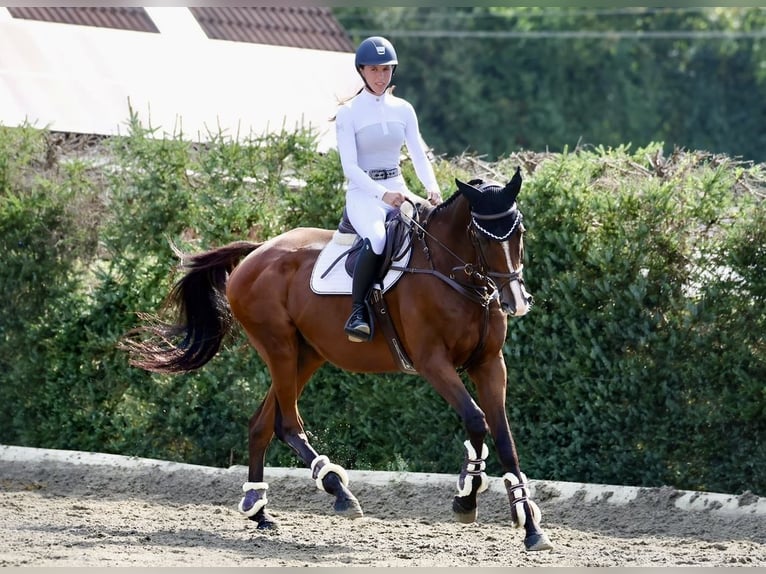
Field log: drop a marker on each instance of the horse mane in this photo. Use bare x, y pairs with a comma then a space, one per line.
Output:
431, 212
446, 203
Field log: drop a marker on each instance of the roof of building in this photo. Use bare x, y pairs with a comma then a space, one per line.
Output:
119, 18
310, 27
297, 26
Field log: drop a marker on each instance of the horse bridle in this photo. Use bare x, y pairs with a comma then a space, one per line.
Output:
483, 293
474, 230
487, 289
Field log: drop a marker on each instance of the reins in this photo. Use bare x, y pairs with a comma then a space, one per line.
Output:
480, 294
483, 294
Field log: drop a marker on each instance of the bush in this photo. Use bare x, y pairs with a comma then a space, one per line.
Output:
647, 341
641, 363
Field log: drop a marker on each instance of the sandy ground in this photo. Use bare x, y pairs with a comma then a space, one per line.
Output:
149, 514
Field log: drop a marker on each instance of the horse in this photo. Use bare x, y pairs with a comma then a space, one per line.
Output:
449, 311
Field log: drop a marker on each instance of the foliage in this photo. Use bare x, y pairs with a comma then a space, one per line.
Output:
494, 80
642, 361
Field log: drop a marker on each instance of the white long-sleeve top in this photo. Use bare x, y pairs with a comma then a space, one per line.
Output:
370, 133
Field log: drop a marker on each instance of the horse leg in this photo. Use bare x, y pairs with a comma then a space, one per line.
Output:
472, 480
490, 381
261, 431
260, 434
328, 476
290, 366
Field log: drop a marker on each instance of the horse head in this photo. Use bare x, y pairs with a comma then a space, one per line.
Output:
497, 228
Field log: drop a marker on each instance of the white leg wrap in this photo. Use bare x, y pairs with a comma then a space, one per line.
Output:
254, 499
475, 466
519, 494
321, 466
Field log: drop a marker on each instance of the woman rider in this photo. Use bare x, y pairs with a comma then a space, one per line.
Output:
371, 128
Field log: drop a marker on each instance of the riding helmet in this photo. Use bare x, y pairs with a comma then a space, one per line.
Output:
375, 51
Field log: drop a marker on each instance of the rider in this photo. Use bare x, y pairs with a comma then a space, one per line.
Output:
371, 128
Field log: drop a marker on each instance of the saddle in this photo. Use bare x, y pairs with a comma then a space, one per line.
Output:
399, 235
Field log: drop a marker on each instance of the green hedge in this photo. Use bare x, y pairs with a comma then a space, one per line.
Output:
642, 361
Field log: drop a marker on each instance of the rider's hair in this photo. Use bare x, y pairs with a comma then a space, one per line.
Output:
389, 89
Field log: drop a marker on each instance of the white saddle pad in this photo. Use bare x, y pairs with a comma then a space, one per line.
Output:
337, 281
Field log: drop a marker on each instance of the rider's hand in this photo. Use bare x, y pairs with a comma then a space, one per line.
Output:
434, 197
394, 198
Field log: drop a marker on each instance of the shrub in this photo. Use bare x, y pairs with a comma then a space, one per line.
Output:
641, 363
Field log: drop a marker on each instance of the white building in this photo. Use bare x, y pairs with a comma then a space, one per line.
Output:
184, 70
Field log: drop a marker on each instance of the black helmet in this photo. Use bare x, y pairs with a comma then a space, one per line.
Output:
375, 51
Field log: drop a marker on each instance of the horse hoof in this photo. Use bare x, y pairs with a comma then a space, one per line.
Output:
267, 525
463, 514
265, 520
350, 508
536, 542
466, 517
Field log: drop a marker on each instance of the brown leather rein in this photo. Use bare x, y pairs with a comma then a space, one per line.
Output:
484, 293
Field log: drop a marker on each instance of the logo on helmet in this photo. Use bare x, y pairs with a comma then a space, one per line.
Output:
380, 50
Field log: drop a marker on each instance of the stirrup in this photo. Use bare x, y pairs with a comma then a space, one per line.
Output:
357, 328
361, 334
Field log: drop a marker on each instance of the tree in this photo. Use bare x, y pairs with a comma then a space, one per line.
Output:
493, 80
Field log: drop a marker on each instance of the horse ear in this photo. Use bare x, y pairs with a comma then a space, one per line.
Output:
514, 186
469, 191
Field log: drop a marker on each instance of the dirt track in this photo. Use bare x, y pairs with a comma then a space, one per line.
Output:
58, 513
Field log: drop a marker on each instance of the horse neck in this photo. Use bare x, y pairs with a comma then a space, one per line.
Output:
449, 227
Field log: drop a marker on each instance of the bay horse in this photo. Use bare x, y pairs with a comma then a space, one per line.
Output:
450, 310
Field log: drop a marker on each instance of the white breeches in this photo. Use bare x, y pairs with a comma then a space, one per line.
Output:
368, 215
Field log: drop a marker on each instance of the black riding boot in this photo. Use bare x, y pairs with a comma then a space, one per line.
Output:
358, 326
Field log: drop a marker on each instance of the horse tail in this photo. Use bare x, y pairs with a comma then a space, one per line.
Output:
203, 315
